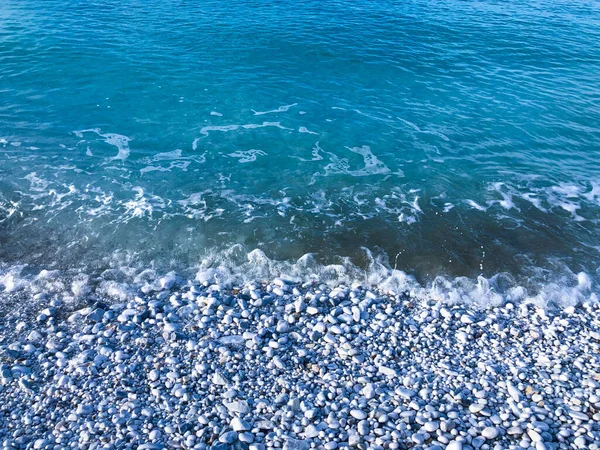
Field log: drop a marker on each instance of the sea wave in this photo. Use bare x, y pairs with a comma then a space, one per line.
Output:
234, 267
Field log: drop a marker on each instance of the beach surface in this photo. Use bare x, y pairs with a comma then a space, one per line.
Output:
190, 365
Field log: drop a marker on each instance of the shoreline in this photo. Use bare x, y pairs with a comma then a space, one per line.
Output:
296, 366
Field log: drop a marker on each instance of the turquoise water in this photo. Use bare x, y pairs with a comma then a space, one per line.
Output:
450, 138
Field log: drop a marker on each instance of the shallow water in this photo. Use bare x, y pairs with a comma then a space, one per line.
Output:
449, 138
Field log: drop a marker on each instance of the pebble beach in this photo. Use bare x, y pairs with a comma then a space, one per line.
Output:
283, 225
298, 366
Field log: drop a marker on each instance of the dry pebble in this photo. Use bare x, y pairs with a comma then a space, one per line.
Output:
293, 366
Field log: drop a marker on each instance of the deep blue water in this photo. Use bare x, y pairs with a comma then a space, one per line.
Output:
454, 138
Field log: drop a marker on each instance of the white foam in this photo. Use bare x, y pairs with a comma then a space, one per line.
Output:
216, 113
372, 165
7, 209
283, 108
316, 156
506, 202
59, 196
401, 204
195, 206
235, 266
306, 130
534, 200
475, 205
594, 194
569, 197
448, 207
142, 205
567, 190
165, 156
183, 165
416, 206
176, 161
204, 131
103, 200
11, 281
247, 155
120, 141
37, 183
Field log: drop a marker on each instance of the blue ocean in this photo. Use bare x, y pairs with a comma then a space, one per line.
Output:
450, 147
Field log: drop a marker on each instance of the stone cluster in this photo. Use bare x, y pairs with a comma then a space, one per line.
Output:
299, 366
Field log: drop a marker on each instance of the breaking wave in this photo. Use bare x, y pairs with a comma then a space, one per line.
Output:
122, 279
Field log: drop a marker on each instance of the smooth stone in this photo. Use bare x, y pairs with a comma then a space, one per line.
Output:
35, 336
490, 432
232, 340
154, 375
264, 425
454, 445
534, 435
310, 413
229, 394
513, 391
387, 371
40, 443
239, 406
516, 430
478, 441
155, 435
358, 414
228, 437
354, 440
220, 446
476, 408
579, 416
363, 427
246, 437
310, 432
369, 391
335, 329
445, 313
405, 393
172, 326
430, 427
296, 444
25, 385
239, 424
283, 326
418, 438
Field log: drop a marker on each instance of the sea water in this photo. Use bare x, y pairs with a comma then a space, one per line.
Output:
448, 145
